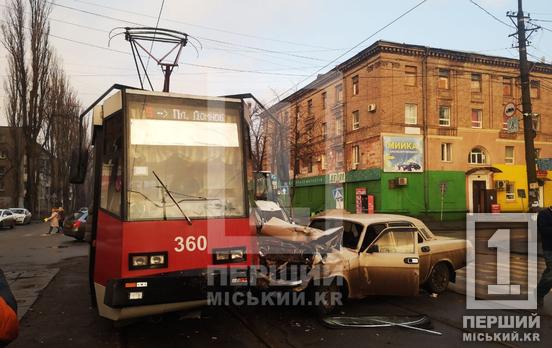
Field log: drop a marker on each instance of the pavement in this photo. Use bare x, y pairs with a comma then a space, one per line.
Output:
27, 258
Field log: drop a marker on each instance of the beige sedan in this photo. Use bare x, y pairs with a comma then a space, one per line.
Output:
385, 254
377, 254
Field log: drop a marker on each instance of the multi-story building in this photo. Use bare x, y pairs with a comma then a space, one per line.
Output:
421, 129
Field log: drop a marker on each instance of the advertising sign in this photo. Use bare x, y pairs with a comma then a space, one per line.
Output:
360, 194
403, 153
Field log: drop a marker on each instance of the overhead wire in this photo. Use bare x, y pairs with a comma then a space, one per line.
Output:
276, 99
126, 11
196, 36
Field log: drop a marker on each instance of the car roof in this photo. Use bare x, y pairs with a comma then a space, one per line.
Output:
368, 219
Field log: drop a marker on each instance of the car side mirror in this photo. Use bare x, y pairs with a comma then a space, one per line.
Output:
373, 249
79, 163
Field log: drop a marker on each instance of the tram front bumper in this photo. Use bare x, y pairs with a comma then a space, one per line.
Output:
193, 285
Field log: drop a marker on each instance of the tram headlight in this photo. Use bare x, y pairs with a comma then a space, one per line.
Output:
157, 260
229, 255
237, 254
139, 261
148, 260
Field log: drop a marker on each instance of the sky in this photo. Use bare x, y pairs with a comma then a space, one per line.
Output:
268, 47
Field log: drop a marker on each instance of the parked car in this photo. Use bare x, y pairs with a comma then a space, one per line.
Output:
6, 218
75, 225
379, 254
22, 216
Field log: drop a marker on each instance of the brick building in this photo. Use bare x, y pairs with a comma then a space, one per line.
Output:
421, 129
9, 178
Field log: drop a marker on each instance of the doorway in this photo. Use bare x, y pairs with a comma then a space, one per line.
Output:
478, 188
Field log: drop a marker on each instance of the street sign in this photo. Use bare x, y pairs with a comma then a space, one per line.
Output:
443, 187
338, 193
509, 109
512, 124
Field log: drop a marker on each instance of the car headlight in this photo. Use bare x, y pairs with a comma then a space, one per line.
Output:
148, 260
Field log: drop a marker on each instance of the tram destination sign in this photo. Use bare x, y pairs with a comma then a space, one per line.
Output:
159, 112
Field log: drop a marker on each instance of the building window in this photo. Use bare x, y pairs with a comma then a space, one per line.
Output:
536, 122
410, 78
309, 107
356, 120
444, 116
477, 118
476, 82
509, 155
535, 89
444, 79
537, 152
410, 113
324, 130
324, 100
510, 191
446, 152
338, 126
477, 156
2, 171
323, 161
2, 186
356, 155
507, 86
339, 93
297, 112
355, 85
339, 159
309, 165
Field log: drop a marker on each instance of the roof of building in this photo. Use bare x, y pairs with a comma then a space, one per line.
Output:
382, 46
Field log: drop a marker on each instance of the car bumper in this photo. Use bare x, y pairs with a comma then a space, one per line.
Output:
70, 232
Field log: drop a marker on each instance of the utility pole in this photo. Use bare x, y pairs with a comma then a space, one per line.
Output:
527, 111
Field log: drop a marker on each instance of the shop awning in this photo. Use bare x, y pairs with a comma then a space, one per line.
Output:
488, 168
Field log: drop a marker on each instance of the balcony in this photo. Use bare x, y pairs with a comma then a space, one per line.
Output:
447, 131
504, 134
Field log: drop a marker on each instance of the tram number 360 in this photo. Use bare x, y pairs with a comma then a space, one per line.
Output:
190, 243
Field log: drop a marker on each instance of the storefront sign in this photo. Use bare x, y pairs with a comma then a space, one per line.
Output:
541, 174
544, 163
336, 178
403, 153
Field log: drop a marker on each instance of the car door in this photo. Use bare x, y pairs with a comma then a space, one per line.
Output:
390, 265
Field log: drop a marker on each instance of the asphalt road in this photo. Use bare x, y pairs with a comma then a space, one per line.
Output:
61, 316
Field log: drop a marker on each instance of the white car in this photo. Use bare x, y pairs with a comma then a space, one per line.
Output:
21, 215
6, 218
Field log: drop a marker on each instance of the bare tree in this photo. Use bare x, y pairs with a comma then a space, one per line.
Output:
41, 105
259, 135
61, 134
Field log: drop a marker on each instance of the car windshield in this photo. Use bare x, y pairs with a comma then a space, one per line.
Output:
195, 147
18, 211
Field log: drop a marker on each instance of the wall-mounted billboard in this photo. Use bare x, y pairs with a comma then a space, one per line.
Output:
403, 153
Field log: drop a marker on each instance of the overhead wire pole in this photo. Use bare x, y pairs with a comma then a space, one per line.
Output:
527, 109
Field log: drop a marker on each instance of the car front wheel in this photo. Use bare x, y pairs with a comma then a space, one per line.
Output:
438, 279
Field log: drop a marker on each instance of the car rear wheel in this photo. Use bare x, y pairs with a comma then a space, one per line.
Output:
438, 279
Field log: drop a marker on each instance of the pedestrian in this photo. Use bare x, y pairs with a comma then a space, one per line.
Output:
54, 221
9, 326
544, 228
61, 218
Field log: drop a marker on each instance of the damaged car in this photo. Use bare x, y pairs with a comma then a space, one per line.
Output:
358, 255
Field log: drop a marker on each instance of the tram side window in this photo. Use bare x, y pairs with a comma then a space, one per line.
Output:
112, 165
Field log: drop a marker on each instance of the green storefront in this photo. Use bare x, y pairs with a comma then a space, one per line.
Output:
418, 194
